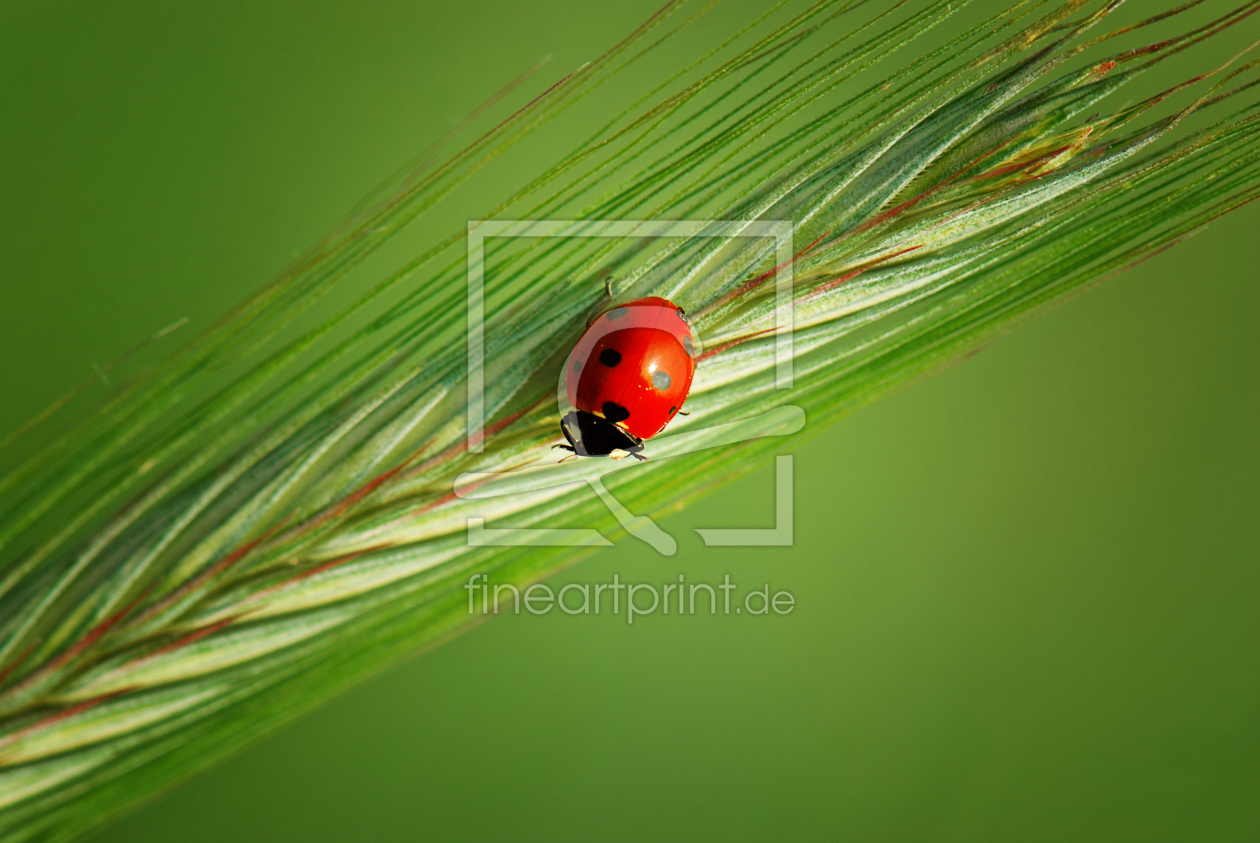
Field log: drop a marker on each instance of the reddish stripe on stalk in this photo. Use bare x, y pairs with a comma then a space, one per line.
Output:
1016, 166
1116, 33
450, 452
1147, 50
433, 504
1211, 30
231, 559
996, 172
751, 284
95, 634
513, 418
822, 288
748, 286
892, 213
338, 508
849, 276
450, 496
209, 574
441, 457
59, 716
737, 341
333, 563
1103, 68
16, 663
75, 649
462, 445
195, 635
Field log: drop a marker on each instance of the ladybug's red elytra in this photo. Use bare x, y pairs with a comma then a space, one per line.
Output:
627, 378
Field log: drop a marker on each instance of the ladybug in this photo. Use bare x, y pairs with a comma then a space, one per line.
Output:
627, 378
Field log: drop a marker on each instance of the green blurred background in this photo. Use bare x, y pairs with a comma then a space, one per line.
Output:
1028, 599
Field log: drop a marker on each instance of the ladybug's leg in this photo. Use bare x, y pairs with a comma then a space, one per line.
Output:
563, 447
618, 454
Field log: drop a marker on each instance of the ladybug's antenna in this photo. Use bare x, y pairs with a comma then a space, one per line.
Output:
603, 304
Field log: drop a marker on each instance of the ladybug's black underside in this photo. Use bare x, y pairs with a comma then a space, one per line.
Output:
592, 436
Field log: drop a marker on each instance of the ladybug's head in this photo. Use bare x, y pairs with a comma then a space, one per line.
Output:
593, 436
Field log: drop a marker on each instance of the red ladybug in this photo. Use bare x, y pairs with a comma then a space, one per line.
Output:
627, 377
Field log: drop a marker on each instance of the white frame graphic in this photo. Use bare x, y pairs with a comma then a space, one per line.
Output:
778, 422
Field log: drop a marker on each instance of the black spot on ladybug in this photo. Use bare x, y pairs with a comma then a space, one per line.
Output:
616, 313
614, 412
660, 380
577, 365
673, 410
690, 349
610, 357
